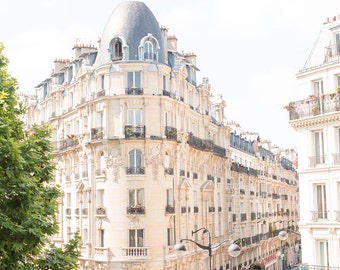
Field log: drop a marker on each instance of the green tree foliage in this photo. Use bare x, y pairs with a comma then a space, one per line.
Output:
28, 199
60, 259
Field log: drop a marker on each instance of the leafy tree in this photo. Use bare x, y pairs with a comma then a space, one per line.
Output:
59, 259
28, 199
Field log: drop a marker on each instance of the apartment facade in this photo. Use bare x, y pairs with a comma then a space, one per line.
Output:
143, 156
264, 201
315, 117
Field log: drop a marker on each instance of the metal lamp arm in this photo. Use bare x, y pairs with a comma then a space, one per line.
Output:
197, 244
220, 244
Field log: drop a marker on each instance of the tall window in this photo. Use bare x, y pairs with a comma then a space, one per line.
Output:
136, 197
336, 155
148, 51
101, 237
195, 198
68, 200
134, 80
136, 238
102, 164
321, 201
68, 233
134, 117
70, 100
337, 40
170, 236
116, 50
164, 82
84, 237
100, 197
102, 82
167, 119
169, 197
318, 87
322, 253
70, 75
135, 161
319, 147
337, 78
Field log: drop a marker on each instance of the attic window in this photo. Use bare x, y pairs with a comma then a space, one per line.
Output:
116, 49
149, 53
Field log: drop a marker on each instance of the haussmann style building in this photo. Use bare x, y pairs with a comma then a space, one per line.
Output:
316, 118
145, 158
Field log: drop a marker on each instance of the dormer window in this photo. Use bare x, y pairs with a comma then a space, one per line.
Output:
149, 51
148, 48
116, 49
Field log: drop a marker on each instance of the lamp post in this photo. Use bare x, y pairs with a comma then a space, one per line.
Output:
283, 235
233, 250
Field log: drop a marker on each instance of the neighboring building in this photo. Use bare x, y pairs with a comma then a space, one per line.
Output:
144, 157
316, 119
263, 202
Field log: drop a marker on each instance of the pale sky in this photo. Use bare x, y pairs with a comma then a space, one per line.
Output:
250, 50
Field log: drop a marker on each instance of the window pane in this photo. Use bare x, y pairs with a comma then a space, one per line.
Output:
132, 238
132, 201
130, 79
140, 197
169, 197
138, 161
138, 117
130, 117
140, 238
138, 79
132, 159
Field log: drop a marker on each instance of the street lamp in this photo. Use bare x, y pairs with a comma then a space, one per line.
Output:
283, 235
234, 250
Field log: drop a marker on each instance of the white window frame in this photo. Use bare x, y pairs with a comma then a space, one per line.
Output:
322, 252
135, 159
136, 197
317, 87
134, 117
134, 79
170, 197
318, 147
136, 238
320, 192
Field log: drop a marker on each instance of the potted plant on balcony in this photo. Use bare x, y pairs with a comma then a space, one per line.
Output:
338, 90
316, 109
172, 134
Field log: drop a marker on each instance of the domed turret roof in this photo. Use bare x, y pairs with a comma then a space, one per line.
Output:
130, 20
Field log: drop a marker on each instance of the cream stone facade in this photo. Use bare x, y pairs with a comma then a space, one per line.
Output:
316, 119
264, 201
145, 157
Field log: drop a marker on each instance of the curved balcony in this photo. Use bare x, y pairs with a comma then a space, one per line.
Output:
313, 106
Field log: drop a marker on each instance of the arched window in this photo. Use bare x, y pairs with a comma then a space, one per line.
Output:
135, 162
149, 51
116, 49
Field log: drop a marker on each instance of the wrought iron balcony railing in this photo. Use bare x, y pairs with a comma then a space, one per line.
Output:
134, 91
137, 210
135, 170
169, 209
313, 106
134, 131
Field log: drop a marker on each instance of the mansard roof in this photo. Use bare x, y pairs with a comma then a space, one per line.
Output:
131, 21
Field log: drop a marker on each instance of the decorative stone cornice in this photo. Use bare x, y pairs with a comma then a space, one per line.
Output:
312, 121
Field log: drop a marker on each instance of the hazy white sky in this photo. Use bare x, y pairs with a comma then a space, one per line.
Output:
250, 50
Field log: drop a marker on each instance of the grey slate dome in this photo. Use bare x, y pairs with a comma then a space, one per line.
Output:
131, 23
